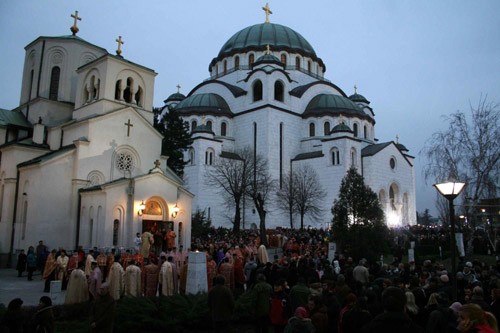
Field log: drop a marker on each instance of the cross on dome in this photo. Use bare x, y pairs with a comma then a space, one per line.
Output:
268, 11
355, 89
74, 28
178, 88
120, 43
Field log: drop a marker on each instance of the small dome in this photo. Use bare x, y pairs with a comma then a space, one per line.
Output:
204, 103
326, 104
268, 58
359, 98
177, 97
341, 128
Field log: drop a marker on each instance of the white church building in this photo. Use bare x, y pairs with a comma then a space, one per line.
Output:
267, 92
81, 162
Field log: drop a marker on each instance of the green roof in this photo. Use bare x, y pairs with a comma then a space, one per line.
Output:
204, 103
14, 118
324, 104
341, 128
359, 98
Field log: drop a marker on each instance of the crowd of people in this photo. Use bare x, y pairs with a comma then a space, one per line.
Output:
297, 287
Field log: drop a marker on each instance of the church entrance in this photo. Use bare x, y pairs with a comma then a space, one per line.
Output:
155, 225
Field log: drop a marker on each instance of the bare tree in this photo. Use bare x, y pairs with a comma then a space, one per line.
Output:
285, 197
468, 151
232, 175
308, 193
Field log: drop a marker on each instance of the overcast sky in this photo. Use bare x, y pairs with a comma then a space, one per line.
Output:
414, 60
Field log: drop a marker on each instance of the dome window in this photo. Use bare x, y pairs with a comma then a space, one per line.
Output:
355, 130
193, 125
283, 58
251, 59
257, 91
209, 124
278, 91
312, 130
326, 128
309, 66
297, 62
335, 156
209, 157
365, 132
225, 67
236, 62
54, 83
223, 129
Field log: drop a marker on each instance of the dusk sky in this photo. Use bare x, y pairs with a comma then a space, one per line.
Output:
415, 61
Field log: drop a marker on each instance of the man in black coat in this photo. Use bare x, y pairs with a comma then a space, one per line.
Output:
394, 318
220, 304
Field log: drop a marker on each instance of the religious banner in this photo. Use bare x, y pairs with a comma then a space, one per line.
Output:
459, 239
197, 273
56, 291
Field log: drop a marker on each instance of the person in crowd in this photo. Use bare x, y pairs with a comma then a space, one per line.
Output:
227, 270
137, 242
147, 240
495, 304
41, 256
61, 268
318, 314
280, 306
21, 263
102, 262
13, 319
95, 280
132, 280
103, 311
299, 294
88, 262
360, 273
478, 298
394, 318
221, 305
78, 289
115, 279
167, 278
31, 262
471, 318
262, 292
299, 323
49, 271
149, 277
43, 321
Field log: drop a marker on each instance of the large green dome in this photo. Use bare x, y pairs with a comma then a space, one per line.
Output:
209, 103
325, 104
277, 36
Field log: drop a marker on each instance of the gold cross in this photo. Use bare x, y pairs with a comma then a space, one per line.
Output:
74, 29
128, 124
268, 11
178, 88
157, 163
120, 42
355, 89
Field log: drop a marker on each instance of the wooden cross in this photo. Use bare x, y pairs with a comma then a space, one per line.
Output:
74, 29
128, 124
157, 163
355, 89
178, 88
268, 11
120, 42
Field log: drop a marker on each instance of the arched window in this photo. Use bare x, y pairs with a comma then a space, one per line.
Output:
191, 156
278, 91
209, 157
138, 97
251, 59
283, 58
309, 65
223, 129
312, 129
236, 62
127, 93
353, 157
257, 91
54, 83
335, 156
326, 128
297, 62
116, 231
118, 89
193, 125
365, 132
209, 124
355, 130
225, 67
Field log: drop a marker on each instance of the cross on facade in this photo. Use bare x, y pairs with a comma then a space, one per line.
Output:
74, 29
157, 163
120, 42
178, 88
128, 124
268, 11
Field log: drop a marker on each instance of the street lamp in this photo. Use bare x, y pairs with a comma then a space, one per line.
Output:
450, 190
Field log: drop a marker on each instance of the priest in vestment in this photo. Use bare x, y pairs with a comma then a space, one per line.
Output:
95, 280
167, 279
150, 275
61, 267
102, 263
115, 279
88, 262
226, 269
211, 270
132, 280
262, 255
146, 241
49, 272
78, 290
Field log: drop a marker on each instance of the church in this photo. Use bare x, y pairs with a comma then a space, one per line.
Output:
81, 162
267, 91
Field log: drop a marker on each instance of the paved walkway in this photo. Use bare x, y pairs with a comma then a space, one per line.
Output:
29, 291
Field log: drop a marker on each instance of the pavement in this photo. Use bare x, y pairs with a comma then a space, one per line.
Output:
30, 292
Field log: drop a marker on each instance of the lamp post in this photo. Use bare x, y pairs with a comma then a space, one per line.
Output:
450, 190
